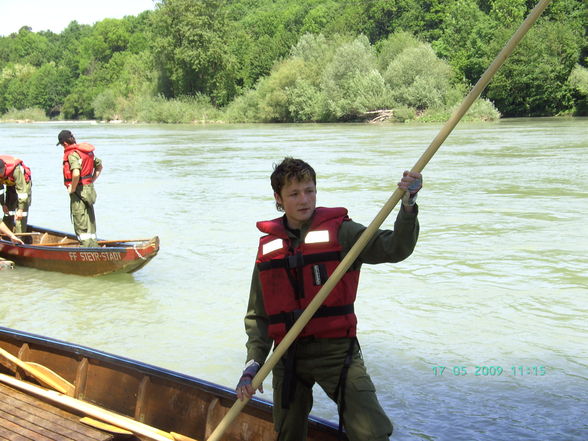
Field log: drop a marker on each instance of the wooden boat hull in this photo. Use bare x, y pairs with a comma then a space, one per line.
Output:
57, 251
164, 399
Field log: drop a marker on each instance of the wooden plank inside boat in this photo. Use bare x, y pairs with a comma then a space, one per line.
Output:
24, 418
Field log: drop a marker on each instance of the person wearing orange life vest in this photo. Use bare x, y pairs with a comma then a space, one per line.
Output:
80, 169
296, 255
15, 192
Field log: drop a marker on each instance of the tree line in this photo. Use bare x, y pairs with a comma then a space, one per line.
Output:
299, 61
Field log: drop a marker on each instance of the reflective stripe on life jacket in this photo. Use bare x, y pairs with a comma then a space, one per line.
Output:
86, 152
291, 278
10, 165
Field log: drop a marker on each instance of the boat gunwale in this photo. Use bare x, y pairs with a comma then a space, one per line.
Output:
215, 389
33, 228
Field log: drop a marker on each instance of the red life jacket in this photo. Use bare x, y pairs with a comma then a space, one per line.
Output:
291, 278
10, 164
86, 152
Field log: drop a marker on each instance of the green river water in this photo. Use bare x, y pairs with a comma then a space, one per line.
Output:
481, 334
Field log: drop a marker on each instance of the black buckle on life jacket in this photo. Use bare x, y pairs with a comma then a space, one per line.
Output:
289, 318
295, 261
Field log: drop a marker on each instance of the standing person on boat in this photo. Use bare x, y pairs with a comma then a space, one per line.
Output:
296, 255
15, 192
5, 231
80, 169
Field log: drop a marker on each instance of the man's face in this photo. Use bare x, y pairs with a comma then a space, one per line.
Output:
299, 201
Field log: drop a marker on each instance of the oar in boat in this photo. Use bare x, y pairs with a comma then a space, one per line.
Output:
94, 411
379, 219
42, 373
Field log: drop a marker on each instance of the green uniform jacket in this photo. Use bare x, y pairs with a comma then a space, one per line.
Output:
386, 246
23, 189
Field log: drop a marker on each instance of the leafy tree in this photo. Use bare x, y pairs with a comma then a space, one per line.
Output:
78, 104
261, 35
578, 81
507, 12
48, 86
190, 48
26, 47
352, 83
383, 17
319, 16
533, 81
14, 90
464, 38
419, 79
394, 45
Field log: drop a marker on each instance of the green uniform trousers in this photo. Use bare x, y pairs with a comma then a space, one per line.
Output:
321, 361
11, 201
81, 204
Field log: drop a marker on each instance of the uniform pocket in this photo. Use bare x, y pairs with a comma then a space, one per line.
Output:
88, 194
363, 384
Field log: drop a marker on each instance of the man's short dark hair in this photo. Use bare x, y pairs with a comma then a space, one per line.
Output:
287, 170
65, 136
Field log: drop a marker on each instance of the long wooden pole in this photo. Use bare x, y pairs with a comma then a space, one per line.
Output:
380, 217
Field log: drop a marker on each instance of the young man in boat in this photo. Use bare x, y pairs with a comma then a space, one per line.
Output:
80, 169
296, 255
15, 192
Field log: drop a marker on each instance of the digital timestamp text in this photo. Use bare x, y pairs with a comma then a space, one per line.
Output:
489, 371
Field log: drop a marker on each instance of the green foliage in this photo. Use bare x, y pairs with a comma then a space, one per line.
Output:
578, 81
419, 79
383, 17
196, 109
47, 87
352, 83
190, 48
26, 47
300, 60
243, 109
481, 110
508, 12
14, 90
533, 82
339, 80
464, 36
393, 45
78, 104
30, 114
107, 105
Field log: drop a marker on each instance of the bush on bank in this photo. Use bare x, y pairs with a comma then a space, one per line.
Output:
343, 79
30, 114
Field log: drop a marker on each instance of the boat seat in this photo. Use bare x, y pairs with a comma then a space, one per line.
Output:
43, 238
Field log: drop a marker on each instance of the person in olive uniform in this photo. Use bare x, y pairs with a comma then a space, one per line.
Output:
80, 169
296, 255
15, 192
